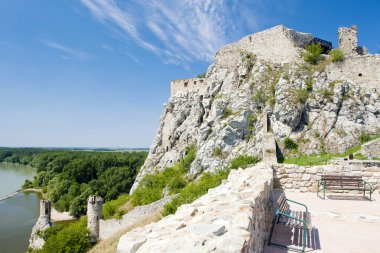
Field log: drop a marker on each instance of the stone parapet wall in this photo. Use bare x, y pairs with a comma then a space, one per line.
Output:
234, 217
186, 85
363, 70
304, 178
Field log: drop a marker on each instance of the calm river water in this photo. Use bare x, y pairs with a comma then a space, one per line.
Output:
19, 213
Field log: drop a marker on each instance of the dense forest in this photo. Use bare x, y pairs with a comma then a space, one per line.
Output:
69, 177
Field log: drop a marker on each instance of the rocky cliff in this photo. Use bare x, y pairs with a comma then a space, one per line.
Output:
264, 73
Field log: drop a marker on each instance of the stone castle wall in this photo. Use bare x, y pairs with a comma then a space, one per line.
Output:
190, 84
304, 178
361, 69
233, 217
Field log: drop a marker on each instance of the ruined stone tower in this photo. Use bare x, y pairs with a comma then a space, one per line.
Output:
348, 40
94, 214
45, 209
43, 222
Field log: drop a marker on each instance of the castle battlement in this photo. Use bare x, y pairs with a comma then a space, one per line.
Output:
187, 85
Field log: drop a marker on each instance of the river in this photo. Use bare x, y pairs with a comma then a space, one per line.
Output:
19, 213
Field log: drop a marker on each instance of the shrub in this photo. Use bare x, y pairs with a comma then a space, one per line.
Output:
119, 214
218, 152
110, 208
243, 161
290, 143
203, 75
151, 187
336, 55
227, 112
301, 95
73, 238
364, 137
309, 85
194, 190
312, 54
251, 123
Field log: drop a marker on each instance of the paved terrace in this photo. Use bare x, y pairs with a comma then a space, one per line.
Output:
343, 223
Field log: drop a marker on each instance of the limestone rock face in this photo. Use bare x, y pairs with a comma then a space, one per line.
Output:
234, 217
35, 241
322, 109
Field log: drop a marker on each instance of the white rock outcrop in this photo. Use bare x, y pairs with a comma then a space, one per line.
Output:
234, 217
321, 109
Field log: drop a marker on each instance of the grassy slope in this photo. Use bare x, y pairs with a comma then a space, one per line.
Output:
321, 159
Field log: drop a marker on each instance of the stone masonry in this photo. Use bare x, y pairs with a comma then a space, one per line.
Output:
43, 222
348, 40
233, 217
94, 214
187, 85
304, 178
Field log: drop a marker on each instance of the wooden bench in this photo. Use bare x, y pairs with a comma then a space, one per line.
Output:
284, 215
343, 183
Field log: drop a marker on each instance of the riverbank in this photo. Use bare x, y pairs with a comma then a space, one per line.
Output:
55, 214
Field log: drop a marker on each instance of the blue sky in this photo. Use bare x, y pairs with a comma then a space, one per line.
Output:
95, 73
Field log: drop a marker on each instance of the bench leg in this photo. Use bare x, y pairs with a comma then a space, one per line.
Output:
272, 229
304, 239
324, 192
318, 190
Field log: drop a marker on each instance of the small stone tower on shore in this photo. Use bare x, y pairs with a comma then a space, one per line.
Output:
94, 214
45, 209
43, 222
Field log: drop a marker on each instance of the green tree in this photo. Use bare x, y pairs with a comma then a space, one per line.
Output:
313, 53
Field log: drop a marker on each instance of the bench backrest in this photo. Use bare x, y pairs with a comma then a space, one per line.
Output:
283, 206
349, 181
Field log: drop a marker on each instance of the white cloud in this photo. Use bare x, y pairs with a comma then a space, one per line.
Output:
107, 47
179, 31
68, 52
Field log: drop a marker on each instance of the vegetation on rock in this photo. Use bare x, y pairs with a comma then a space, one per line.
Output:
207, 181
151, 187
112, 207
73, 238
203, 75
243, 161
312, 54
195, 190
336, 55
290, 143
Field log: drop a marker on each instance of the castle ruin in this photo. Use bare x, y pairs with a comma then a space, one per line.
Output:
348, 41
282, 45
94, 214
190, 84
43, 222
